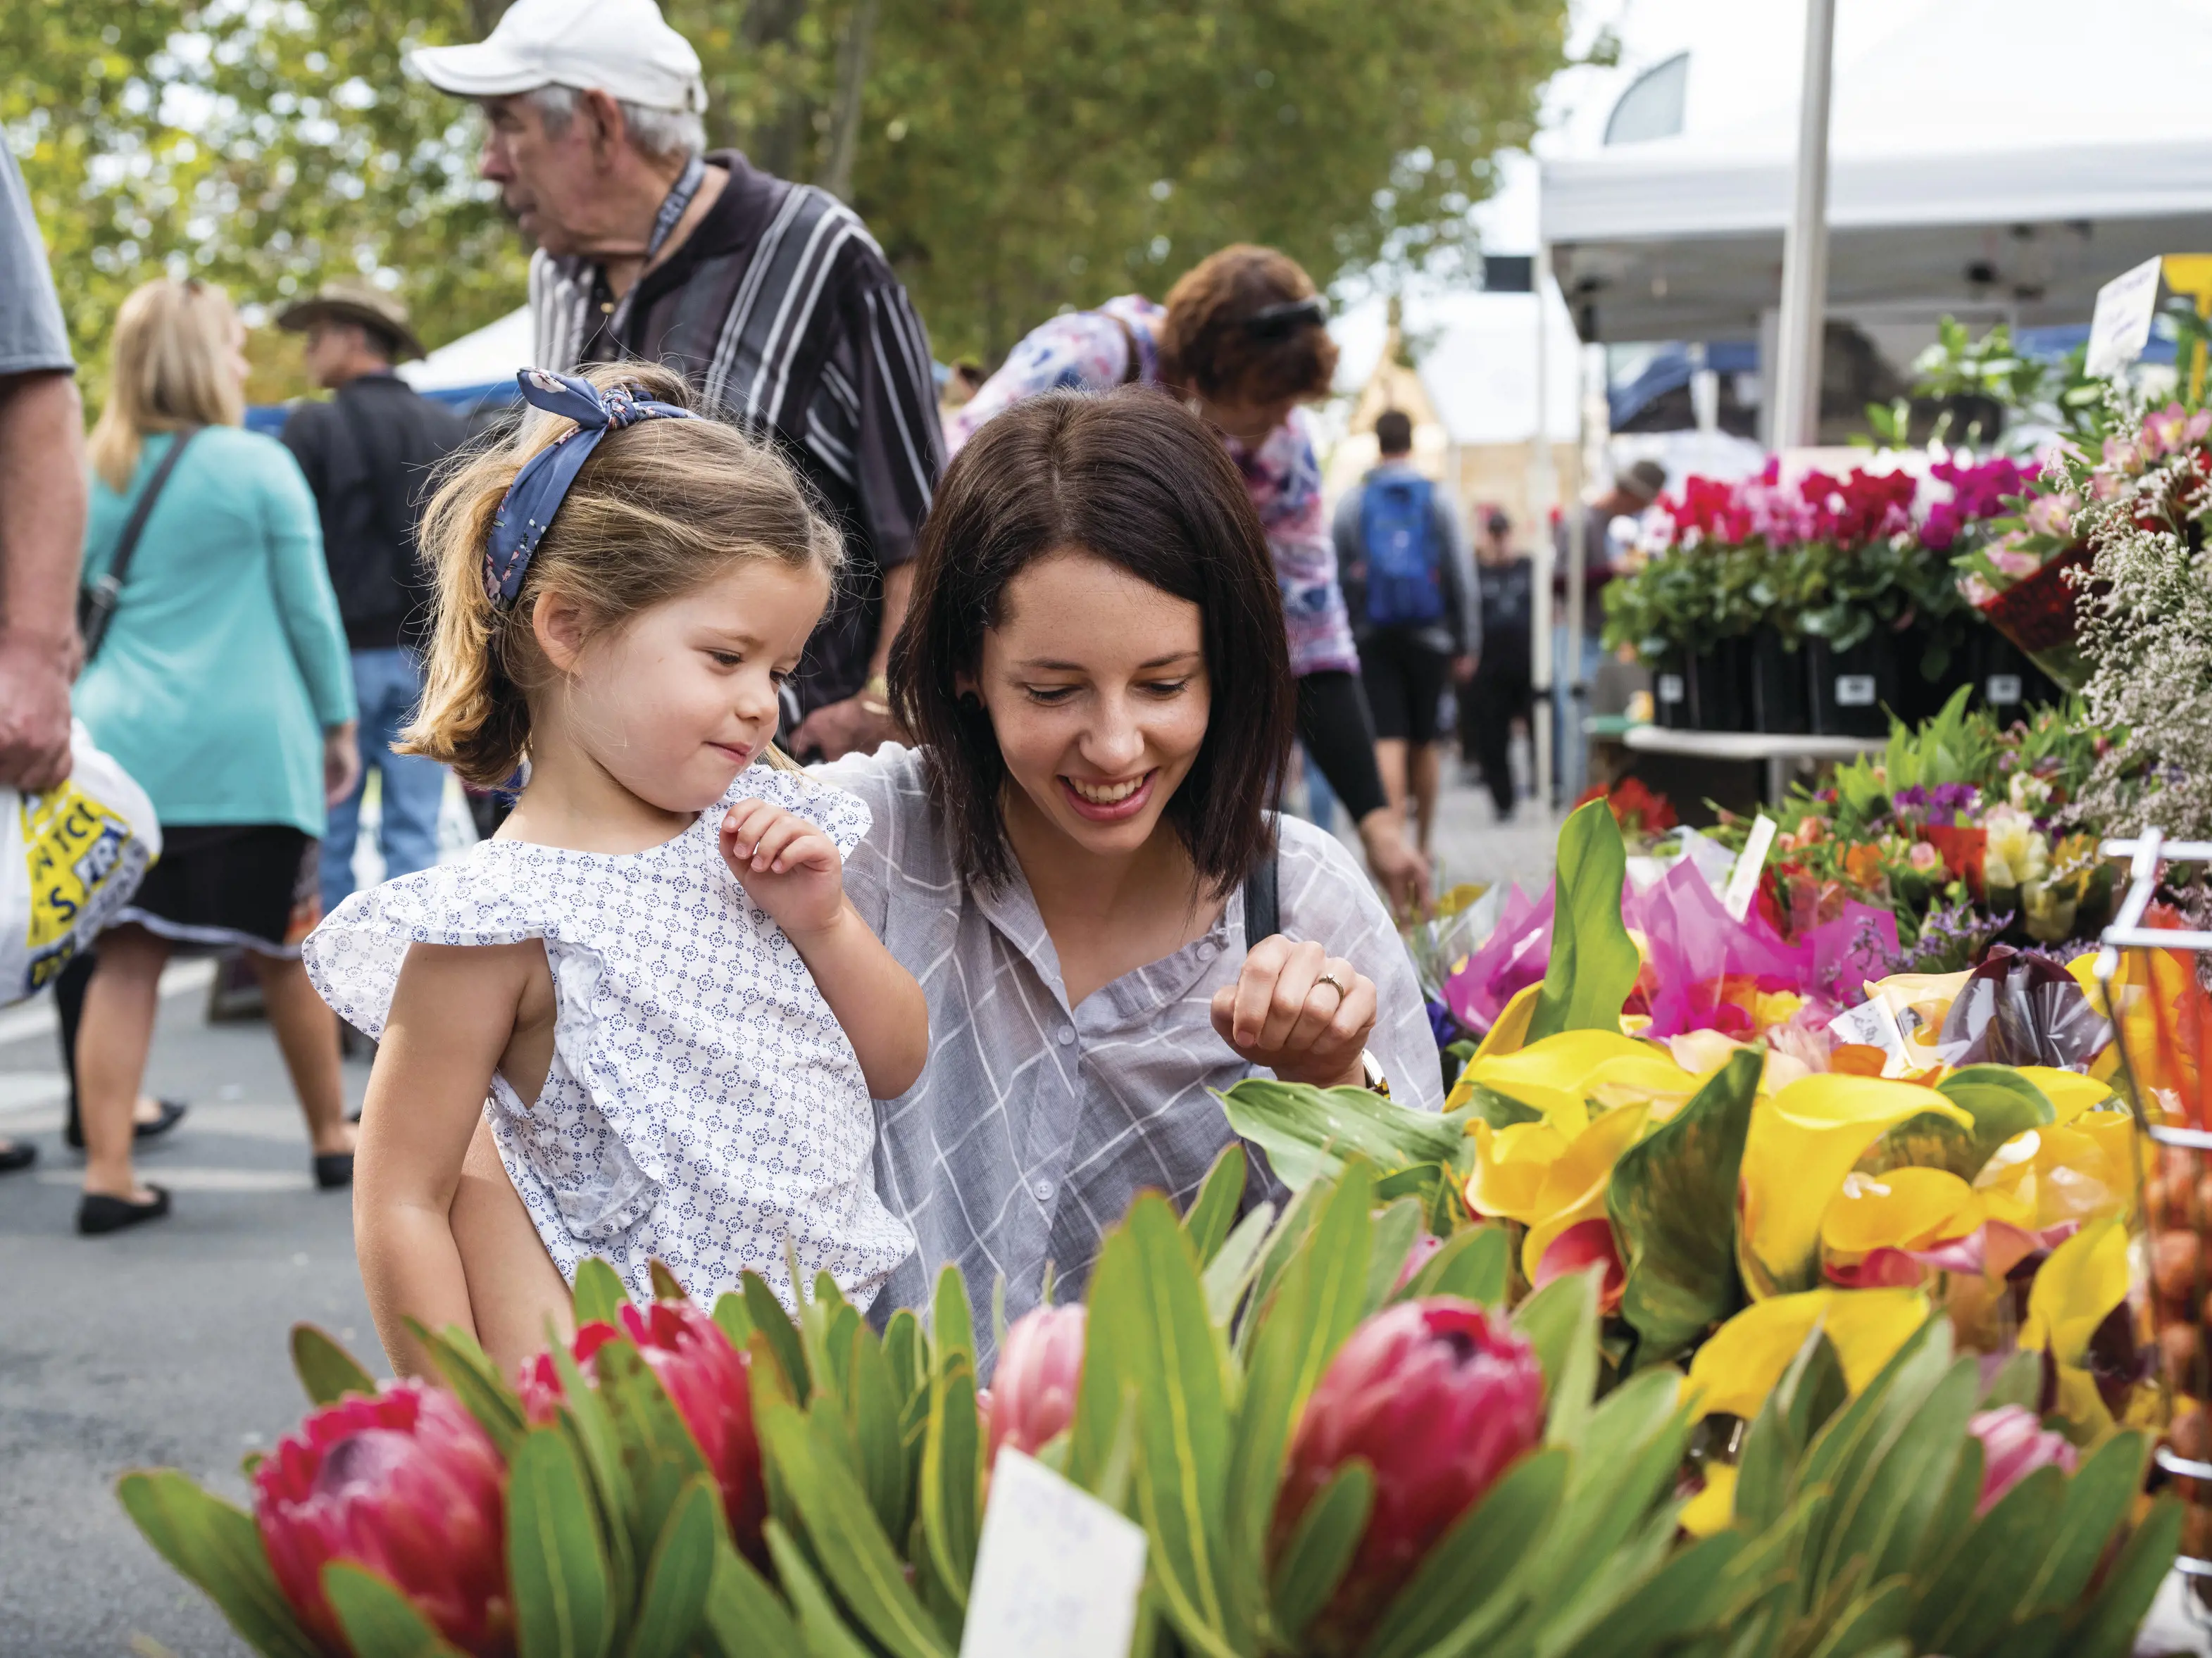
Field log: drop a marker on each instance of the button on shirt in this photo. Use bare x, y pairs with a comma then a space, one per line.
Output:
1034, 1124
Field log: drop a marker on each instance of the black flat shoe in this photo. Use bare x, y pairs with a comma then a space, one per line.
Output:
97, 1213
173, 1112
16, 1154
333, 1170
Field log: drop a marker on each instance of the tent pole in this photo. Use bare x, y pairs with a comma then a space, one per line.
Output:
1797, 383
1543, 488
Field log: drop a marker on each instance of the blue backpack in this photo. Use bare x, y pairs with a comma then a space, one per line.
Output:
1404, 589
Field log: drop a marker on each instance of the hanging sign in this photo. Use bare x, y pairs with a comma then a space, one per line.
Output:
2121, 327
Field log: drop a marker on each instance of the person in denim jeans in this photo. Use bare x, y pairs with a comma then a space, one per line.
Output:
368, 454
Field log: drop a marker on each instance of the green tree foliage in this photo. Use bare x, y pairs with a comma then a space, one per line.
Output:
1013, 157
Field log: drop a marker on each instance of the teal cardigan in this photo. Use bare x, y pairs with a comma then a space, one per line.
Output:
226, 661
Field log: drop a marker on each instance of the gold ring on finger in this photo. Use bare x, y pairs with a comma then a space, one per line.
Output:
1334, 983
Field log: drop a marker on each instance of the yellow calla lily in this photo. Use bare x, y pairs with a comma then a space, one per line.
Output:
2069, 1092
1510, 1166
1510, 1031
1558, 1075
2075, 1291
1574, 1186
1712, 1509
2076, 1170
1739, 1365
1702, 1052
1803, 1141
1900, 1209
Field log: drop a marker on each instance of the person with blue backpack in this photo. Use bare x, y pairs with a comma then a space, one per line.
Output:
1412, 596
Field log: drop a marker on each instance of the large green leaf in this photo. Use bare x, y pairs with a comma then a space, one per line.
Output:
1213, 1212
820, 1625
1594, 962
1435, 1184
1882, 1514
585, 1415
1689, 1594
1811, 1391
325, 1369
1560, 1322
952, 1326
731, 1318
1966, 1606
1149, 1279
856, 1557
216, 1547
1396, 1229
1309, 1132
378, 1621
1320, 1548
1672, 1204
1321, 1298
2107, 1625
743, 1617
679, 1576
659, 1454
1475, 1265
2097, 1499
599, 1293
1237, 1264
952, 1476
465, 1368
2002, 1103
1466, 1586
872, 1404
563, 1603
774, 1326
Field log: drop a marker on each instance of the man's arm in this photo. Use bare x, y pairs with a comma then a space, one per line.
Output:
900, 452
42, 505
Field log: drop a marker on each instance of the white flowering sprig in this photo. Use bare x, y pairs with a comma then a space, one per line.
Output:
2146, 620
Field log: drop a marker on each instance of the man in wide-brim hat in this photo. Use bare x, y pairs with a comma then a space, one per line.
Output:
368, 454
352, 303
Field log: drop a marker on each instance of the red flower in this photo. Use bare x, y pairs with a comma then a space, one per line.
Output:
406, 1485
709, 1382
1578, 1249
1439, 1399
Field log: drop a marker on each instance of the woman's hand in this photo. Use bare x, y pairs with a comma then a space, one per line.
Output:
785, 864
341, 761
1303, 1014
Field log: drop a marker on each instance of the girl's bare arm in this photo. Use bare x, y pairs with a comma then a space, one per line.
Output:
452, 1016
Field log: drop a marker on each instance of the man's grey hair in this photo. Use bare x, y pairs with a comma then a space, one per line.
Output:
661, 134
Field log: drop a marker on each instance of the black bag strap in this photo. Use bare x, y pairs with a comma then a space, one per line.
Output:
96, 603
1263, 909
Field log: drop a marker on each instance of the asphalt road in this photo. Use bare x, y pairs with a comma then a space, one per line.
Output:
165, 1347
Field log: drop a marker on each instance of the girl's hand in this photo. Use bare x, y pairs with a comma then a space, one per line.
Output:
1302, 1013
341, 761
785, 864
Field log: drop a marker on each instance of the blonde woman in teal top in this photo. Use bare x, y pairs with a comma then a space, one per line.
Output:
223, 687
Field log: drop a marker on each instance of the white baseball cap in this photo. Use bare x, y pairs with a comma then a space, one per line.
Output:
622, 47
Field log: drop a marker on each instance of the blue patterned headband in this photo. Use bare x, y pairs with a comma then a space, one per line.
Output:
542, 483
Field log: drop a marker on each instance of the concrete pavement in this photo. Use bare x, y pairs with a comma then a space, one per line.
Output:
165, 1347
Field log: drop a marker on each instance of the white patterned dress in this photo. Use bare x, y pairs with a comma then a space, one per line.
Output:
703, 1106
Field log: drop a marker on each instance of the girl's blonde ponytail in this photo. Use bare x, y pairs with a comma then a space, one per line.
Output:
657, 509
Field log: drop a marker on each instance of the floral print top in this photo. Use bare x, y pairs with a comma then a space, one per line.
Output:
1088, 351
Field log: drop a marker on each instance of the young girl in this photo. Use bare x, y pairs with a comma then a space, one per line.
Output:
649, 982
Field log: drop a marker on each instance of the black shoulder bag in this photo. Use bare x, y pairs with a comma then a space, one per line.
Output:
95, 605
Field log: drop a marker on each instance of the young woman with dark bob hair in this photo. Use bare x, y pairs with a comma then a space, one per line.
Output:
1095, 668
1244, 340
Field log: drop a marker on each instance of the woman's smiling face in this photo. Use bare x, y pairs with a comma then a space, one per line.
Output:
1096, 685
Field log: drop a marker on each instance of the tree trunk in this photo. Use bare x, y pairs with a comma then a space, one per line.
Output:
779, 142
836, 175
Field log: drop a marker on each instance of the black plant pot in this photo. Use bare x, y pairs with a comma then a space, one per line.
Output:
1778, 685
1921, 695
2006, 682
1720, 686
1853, 691
1670, 696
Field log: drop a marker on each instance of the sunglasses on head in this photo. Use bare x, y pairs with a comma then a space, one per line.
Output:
1280, 322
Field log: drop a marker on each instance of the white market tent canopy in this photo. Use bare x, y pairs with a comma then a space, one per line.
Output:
1986, 155
476, 363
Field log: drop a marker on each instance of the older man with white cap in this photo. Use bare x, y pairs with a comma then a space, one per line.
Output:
771, 297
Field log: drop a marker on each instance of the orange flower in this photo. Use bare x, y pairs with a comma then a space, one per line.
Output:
1863, 865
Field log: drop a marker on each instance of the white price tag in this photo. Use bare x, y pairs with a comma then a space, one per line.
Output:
1671, 689
1855, 690
2003, 689
2120, 327
1057, 1571
1743, 879
1871, 1024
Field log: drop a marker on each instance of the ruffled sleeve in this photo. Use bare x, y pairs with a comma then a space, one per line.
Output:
354, 957
837, 812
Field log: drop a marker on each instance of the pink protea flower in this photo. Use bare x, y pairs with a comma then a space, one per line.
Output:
710, 1383
1439, 1398
1423, 1250
1032, 1395
2015, 1444
407, 1486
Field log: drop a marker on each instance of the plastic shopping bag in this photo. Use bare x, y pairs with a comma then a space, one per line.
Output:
70, 858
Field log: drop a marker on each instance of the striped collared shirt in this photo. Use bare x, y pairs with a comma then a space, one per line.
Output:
1035, 1124
780, 310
